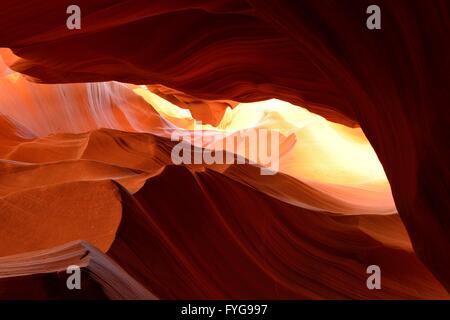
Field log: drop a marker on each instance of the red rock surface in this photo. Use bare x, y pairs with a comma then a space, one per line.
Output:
234, 242
69, 137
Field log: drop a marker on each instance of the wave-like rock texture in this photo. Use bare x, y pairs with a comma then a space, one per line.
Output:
205, 246
317, 54
40, 110
194, 231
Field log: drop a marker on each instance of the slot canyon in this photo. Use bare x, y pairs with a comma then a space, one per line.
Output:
88, 178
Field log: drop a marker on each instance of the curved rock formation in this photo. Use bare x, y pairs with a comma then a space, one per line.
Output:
318, 55
205, 246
